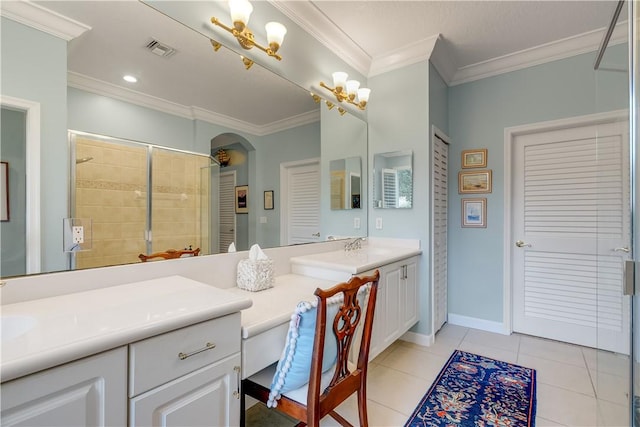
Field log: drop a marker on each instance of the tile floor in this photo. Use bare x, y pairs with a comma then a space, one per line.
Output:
577, 386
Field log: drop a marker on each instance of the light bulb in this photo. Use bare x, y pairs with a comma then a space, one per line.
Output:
339, 79
363, 94
275, 34
352, 87
240, 13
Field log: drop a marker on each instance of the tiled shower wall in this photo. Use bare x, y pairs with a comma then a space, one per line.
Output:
111, 190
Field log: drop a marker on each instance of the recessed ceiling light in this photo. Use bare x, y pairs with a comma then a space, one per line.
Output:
130, 79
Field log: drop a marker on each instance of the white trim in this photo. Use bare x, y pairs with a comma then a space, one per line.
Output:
412, 53
33, 232
510, 134
99, 87
316, 23
553, 51
416, 338
475, 323
284, 192
43, 19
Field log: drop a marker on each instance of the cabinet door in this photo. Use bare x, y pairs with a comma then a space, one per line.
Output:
206, 397
87, 392
392, 278
410, 294
379, 319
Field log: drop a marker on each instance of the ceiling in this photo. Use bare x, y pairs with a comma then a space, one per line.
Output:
472, 35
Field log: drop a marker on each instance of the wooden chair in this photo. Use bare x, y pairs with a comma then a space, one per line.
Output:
170, 254
344, 382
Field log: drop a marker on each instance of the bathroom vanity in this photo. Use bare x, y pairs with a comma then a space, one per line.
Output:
172, 350
164, 351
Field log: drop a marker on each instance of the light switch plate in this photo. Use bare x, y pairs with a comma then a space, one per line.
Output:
356, 222
378, 223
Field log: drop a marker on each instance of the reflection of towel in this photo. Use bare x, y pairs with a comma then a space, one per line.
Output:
232, 247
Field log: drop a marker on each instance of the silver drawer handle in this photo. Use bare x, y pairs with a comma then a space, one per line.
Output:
208, 346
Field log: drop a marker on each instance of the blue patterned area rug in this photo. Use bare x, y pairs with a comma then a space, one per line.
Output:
473, 390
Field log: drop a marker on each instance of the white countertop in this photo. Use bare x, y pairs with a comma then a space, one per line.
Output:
274, 306
47, 332
357, 261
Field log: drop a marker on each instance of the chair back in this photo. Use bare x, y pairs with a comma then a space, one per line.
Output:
170, 254
344, 325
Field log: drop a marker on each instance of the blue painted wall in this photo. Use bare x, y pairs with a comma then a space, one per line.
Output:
398, 117
479, 112
13, 243
34, 67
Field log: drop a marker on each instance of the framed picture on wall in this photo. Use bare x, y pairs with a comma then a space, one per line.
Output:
242, 199
476, 158
268, 200
474, 213
4, 191
474, 182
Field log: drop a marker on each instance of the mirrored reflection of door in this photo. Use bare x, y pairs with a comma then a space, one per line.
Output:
300, 217
227, 222
110, 181
176, 200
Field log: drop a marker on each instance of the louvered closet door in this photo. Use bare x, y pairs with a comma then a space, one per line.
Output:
571, 214
439, 251
227, 210
303, 204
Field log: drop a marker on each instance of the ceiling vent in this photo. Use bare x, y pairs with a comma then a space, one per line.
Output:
160, 49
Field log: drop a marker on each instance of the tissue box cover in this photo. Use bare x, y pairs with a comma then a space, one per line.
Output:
255, 275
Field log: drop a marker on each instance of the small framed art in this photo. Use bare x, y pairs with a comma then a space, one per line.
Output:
474, 182
476, 158
268, 200
242, 199
474, 213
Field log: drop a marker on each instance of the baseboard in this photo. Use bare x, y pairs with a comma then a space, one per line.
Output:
475, 323
420, 339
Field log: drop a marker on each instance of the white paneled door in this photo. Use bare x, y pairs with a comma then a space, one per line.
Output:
439, 203
571, 231
227, 210
300, 202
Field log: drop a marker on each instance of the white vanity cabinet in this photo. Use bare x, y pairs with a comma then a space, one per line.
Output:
187, 377
396, 303
90, 391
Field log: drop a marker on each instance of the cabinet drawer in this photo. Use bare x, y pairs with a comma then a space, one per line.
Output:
157, 360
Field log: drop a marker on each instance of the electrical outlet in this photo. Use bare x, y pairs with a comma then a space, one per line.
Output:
263, 220
378, 223
356, 222
78, 234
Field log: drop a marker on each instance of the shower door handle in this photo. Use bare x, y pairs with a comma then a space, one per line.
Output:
629, 285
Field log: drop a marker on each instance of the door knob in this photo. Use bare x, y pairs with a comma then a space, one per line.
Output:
625, 250
316, 234
522, 244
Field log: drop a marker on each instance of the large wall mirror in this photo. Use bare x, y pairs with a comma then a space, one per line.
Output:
190, 99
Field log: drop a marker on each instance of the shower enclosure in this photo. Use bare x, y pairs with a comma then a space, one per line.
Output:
140, 199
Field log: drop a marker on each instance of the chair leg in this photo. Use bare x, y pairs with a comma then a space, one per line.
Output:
362, 406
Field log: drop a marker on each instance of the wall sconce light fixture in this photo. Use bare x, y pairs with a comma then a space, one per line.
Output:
348, 90
223, 158
240, 13
246, 61
330, 105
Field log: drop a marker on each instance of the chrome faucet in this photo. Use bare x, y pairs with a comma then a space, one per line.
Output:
355, 244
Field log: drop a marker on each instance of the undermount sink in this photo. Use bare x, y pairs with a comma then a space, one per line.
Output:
14, 326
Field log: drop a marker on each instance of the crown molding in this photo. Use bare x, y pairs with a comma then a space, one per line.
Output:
314, 22
99, 87
420, 50
553, 51
42, 19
